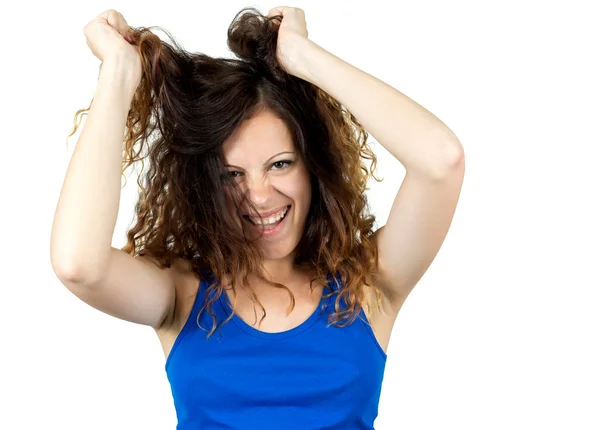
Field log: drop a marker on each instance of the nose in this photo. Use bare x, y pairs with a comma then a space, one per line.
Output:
258, 190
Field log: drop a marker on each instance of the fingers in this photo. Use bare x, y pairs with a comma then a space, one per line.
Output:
276, 11
283, 10
117, 21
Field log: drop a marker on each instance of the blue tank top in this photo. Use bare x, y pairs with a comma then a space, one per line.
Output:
309, 377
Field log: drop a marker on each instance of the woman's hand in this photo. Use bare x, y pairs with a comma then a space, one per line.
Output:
291, 38
109, 36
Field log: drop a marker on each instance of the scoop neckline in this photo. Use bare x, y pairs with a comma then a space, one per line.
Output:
305, 325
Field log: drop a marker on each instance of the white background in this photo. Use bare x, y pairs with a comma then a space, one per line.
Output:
502, 332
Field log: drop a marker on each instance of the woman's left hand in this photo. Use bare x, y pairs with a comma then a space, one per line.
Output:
292, 37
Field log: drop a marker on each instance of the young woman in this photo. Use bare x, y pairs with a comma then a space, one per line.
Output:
254, 204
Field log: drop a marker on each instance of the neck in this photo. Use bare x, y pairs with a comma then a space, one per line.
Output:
282, 270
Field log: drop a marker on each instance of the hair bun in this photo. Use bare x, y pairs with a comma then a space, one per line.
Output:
252, 37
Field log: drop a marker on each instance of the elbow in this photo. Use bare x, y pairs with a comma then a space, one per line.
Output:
67, 270
452, 163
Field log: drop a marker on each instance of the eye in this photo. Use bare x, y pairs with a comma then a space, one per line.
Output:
278, 165
281, 164
227, 176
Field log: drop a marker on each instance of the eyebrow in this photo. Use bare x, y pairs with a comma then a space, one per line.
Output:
266, 162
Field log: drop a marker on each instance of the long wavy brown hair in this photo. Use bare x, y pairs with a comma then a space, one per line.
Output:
186, 106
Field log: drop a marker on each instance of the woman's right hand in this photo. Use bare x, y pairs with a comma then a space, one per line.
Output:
105, 36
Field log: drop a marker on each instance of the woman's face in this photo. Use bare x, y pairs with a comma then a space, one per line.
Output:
262, 158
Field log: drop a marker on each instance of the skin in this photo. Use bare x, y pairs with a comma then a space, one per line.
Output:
270, 183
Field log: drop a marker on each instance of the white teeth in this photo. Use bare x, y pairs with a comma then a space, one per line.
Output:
271, 220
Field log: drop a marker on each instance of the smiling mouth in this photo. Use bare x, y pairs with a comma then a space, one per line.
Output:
268, 226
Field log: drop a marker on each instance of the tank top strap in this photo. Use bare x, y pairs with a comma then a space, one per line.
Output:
190, 321
336, 283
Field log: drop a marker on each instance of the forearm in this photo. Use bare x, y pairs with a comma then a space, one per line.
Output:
88, 205
412, 134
